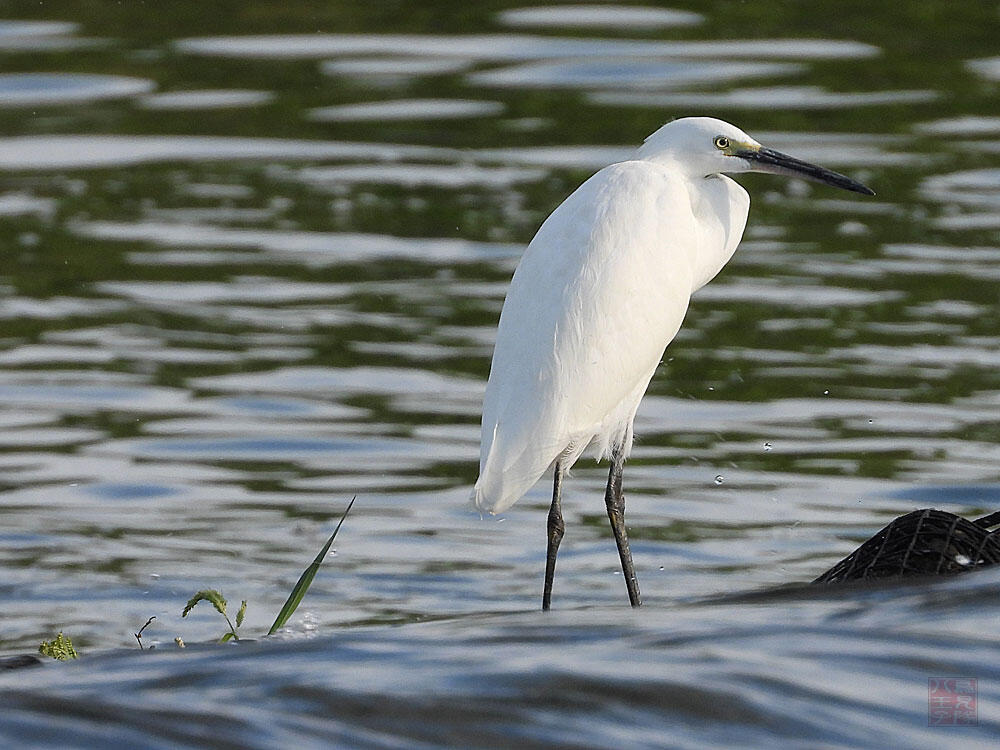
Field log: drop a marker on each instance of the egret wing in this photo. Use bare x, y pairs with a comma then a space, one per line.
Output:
599, 293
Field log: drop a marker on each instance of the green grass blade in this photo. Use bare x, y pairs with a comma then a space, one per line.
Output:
242, 613
306, 579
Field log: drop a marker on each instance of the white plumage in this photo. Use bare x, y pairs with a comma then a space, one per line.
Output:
599, 293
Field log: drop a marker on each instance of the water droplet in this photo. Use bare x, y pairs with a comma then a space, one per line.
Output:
826, 393
962, 560
797, 188
852, 229
767, 447
719, 479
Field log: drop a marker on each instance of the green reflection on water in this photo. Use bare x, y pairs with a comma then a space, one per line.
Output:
923, 46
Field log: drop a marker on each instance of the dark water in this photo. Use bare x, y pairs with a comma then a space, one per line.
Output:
243, 279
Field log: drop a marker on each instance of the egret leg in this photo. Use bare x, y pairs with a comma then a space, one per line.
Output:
556, 528
614, 498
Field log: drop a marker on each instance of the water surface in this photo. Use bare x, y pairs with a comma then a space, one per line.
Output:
252, 265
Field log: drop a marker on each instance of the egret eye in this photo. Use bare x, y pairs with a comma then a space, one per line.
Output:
721, 142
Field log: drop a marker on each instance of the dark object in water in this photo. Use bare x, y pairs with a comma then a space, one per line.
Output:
924, 542
19, 662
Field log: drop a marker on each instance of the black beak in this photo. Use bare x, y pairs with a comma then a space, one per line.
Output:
775, 162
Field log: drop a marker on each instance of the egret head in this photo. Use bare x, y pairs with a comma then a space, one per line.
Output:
704, 146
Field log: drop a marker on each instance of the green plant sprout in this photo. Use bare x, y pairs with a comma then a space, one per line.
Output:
60, 647
218, 601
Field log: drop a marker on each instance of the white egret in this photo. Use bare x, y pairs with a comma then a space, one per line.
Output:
597, 296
